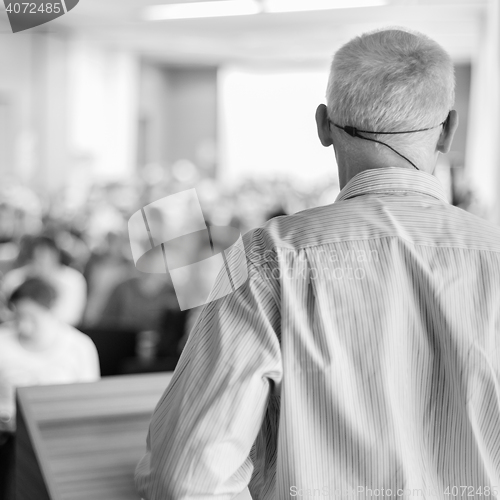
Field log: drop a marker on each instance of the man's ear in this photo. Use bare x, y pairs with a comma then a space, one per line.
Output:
448, 132
323, 125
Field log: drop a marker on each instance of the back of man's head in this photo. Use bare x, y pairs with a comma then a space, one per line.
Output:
391, 80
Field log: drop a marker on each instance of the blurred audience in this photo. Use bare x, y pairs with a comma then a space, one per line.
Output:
108, 265
139, 303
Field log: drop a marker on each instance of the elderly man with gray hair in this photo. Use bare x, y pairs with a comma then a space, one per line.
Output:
361, 358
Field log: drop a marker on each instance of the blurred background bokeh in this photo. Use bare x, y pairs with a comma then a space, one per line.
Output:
114, 106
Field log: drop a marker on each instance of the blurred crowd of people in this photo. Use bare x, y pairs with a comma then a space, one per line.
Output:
78, 242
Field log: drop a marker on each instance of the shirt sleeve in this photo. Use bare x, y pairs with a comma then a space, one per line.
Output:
203, 428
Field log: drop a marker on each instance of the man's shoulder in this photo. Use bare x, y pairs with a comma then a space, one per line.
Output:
295, 231
77, 338
477, 233
439, 224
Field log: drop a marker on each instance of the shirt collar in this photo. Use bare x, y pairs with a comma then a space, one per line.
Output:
392, 180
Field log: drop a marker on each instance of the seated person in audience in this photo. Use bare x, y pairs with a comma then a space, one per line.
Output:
44, 261
139, 303
108, 265
38, 349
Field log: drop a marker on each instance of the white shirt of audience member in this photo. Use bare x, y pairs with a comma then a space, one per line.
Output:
55, 354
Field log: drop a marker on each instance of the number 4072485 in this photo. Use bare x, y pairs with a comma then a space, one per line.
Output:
33, 8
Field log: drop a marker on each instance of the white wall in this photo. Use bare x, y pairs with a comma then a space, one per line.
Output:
66, 104
267, 125
103, 109
18, 137
178, 114
483, 150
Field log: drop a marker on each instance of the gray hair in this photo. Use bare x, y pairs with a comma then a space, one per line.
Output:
391, 80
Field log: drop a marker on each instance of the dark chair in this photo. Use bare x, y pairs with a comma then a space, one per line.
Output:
113, 347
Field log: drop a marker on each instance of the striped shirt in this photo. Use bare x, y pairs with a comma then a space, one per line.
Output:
361, 358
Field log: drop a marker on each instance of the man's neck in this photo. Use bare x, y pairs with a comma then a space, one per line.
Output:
350, 167
354, 158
